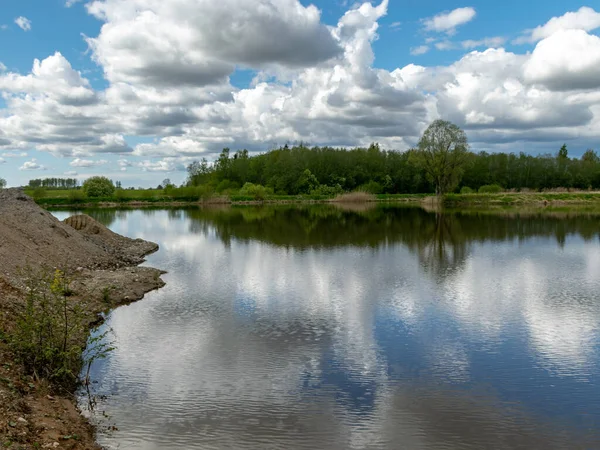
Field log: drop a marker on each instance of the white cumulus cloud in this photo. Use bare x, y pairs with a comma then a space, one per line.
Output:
567, 60
420, 50
493, 42
585, 18
447, 22
23, 22
78, 162
164, 83
32, 165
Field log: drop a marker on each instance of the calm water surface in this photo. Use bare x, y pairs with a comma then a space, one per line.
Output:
392, 328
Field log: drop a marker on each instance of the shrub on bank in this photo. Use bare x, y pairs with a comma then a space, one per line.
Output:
490, 189
466, 190
50, 332
256, 191
98, 187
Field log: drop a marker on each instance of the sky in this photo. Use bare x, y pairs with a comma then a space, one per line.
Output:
137, 89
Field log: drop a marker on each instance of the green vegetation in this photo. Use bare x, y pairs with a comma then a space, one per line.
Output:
523, 198
54, 183
443, 153
49, 338
490, 189
98, 187
2, 183
441, 164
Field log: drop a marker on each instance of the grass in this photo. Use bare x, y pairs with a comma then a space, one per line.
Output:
57, 197
519, 198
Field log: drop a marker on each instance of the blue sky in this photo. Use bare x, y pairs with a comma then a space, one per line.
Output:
137, 89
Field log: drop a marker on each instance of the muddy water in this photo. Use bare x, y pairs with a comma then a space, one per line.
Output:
389, 328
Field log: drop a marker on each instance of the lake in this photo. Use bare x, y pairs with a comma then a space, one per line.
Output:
352, 328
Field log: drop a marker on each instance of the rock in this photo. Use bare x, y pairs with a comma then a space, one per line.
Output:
22, 420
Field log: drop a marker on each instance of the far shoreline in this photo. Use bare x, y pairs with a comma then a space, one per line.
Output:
509, 199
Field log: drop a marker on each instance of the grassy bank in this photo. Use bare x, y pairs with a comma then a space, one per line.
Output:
193, 196
187, 196
519, 198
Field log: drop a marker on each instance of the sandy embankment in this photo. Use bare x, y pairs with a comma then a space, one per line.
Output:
100, 263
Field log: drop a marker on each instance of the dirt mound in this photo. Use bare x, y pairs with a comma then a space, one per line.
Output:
31, 236
128, 250
101, 264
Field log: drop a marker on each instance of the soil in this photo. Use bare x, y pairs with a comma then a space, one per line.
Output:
104, 270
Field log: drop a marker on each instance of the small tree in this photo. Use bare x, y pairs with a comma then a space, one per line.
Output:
443, 152
2, 183
98, 187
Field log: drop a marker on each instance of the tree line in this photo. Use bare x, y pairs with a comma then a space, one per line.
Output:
54, 183
441, 163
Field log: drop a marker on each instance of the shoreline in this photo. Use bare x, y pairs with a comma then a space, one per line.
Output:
105, 273
539, 199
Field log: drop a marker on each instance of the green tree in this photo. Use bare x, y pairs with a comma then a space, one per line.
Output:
443, 153
2, 183
98, 187
198, 172
307, 182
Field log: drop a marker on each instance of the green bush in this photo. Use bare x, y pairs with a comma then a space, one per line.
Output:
227, 185
490, 189
327, 191
51, 331
256, 191
466, 190
372, 187
98, 187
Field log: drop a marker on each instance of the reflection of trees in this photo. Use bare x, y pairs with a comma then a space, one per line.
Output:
442, 244
442, 239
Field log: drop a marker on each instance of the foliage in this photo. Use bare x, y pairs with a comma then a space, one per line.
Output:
443, 154
327, 191
256, 191
285, 170
98, 187
490, 189
54, 183
372, 187
466, 190
2, 183
324, 172
307, 182
50, 331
